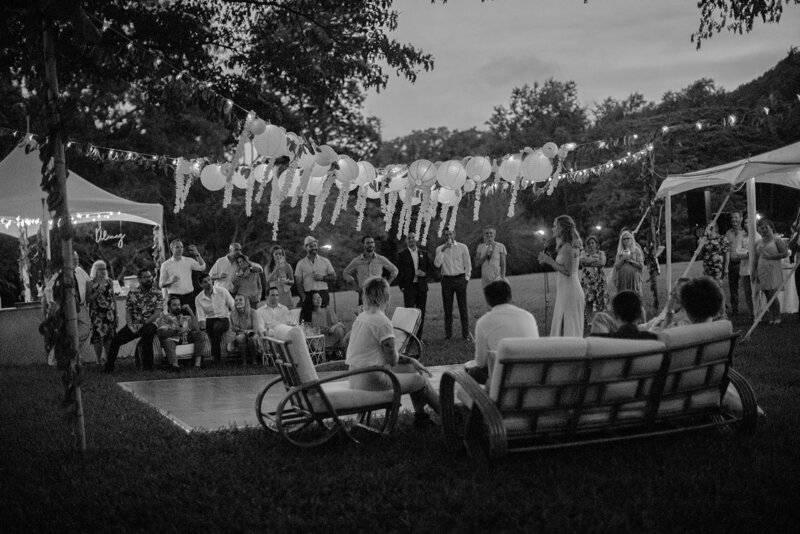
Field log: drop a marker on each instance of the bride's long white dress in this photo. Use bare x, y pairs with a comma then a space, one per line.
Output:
568, 312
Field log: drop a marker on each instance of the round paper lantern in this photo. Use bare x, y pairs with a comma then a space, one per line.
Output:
536, 167
550, 150
314, 186
415, 199
211, 177
366, 173
319, 170
259, 173
449, 196
510, 168
258, 127
325, 155
348, 169
226, 169
479, 168
272, 142
423, 172
238, 180
469, 185
250, 154
451, 174
398, 182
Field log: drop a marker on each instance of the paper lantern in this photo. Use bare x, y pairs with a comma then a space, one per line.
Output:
422, 172
325, 155
398, 182
550, 150
449, 196
415, 199
259, 173
238, 180
469, 185
479, 168
451, 174
314, 186
250, 154
211, 177
434, 195
226, 169
258, 127
510, 168
320, 170
536, 167
366, 173
272, 142
373, 189
348, 169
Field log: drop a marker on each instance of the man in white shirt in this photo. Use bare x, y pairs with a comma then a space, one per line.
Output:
453, 259
313, 273
214, 306
176, 272
501, 321
273, 312
735, 236
224, 269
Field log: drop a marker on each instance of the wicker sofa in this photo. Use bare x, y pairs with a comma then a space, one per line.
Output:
558, 392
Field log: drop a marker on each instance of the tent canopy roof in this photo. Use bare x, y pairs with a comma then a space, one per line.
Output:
21, 198
780, 166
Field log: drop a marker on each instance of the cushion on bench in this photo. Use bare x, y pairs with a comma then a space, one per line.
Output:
299, 350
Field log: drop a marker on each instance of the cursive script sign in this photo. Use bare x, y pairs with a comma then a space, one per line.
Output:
101, 235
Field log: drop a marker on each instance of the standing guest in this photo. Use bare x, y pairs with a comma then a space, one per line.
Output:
568, 311
770, 250
247, 328
593, 278
81, 278
143, 307
273, 312
794, 251
214, 306
325, 320
102, 309
247, 280
280, 275
313, 272
372, 343
224, 269
628, 264
501, 321
737, 239
412, 277
176, 272
491, 258
715, 253
180, 322
743, 254
452, 258
366, 265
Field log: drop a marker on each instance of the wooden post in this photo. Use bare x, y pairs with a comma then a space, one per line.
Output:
64, 222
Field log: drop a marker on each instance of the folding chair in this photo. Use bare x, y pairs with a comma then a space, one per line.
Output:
406, 324
312, 410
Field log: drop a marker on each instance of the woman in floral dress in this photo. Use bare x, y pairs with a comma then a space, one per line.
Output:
593, 278
715, 253
102, 308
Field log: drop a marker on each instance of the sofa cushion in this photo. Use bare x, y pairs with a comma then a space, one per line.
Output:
298, 350
343, 398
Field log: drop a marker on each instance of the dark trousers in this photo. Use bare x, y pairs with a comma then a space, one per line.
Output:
748, 292
415, 296
126, 335
733, 284
188, 298
455, 285
216, 328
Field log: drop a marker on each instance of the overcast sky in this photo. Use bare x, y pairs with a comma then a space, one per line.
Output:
608, 47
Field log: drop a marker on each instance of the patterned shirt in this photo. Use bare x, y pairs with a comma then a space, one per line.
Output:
714, 252
142, 304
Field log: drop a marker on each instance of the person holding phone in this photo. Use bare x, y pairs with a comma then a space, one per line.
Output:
176, 273
491, 258
628, 264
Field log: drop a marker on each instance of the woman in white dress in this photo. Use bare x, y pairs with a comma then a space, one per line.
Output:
570, 303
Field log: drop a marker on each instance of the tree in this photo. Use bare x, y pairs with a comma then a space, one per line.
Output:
737, 16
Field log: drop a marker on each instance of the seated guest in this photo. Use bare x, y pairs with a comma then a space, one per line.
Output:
627, 309
247, 327
501, 321
273, 312
372, 343
702, 299
214, 305
247, 280
326, 321
180, 322
674, 314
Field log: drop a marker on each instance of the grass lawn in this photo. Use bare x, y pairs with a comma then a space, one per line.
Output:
142, 473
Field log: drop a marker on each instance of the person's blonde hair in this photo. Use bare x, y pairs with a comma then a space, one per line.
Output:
93, 270
376, 291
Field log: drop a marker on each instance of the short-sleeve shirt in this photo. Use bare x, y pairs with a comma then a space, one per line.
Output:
306, 269
502, 321
183, 269
364, 268
142, 304
490, 269
370, 329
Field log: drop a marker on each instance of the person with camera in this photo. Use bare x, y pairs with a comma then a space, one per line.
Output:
176, 272
491, 258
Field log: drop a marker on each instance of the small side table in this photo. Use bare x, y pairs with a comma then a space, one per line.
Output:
316, 348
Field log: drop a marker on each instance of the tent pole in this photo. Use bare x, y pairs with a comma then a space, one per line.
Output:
668, 241
751, 224
46, 231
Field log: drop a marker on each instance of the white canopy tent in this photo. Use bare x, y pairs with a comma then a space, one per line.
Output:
21, 198
780, 167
